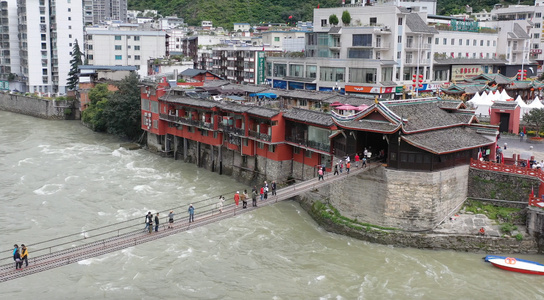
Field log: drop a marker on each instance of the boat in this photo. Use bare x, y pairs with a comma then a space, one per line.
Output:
515, 264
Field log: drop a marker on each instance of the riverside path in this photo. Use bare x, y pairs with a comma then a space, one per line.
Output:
76, 247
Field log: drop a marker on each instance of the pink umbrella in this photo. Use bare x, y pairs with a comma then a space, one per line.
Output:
336, 104
346, 107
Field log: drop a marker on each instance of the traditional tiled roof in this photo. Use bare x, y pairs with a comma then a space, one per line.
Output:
416, 24
509, 105
465, 118
520, 84
335, 29
246, 88
309, 116
190, 101
450, 104
469, 61
263, 111
234, 107
447, 140
351, 100
369, 125
312, 95
215, 83
421, 116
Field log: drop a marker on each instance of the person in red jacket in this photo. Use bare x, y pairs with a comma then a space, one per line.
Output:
237, 198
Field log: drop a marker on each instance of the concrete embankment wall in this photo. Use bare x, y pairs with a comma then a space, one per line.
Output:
36, 107
464, 243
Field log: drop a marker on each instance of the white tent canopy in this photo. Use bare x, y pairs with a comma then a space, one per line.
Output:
524, 107
483, 104
536, 104
504, 96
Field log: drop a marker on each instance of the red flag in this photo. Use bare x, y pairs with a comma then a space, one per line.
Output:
317, 5
532, 192
290, 17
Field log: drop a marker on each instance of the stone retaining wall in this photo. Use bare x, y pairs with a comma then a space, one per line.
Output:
401, 199
424, 240
504, 186
36, 107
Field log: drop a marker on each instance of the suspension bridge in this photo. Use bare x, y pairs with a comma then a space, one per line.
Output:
80, 246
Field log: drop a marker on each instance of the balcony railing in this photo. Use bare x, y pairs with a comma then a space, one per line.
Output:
260, 136
309, 144
232, 130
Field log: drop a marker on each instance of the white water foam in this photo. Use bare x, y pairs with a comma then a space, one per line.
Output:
49, 189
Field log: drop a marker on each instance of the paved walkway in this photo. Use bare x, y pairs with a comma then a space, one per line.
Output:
470, 223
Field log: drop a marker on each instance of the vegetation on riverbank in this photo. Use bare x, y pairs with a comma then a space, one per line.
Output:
506, 217
327, 211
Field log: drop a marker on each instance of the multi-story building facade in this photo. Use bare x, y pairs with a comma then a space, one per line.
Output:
381, 47
99, 11
239, 64
9, 45
106, 47
46, 33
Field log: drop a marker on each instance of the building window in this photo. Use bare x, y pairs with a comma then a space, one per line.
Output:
323, 22
468, 42
43, 37
536, 35
44, 71
69, 18
331, 74
311, 71
260, 145
362, 75
69, 36
89, 47
117, 47
481, 42
537, 25
360, 53
276, 39
473, 42
399, 39
136, 48
364, 40
117, 37
245, 142
296, 70
90, 57
118, 57
296, 150
452, 42
488, 42
308, 154
69, 26
445, 41
69, 9
436, 41
538, 15
272, 148
42, 20
373, 21
204, 132
136, 37
460, 42
136, 57
399, 22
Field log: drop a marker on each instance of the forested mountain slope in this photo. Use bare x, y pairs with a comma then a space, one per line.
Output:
225, 12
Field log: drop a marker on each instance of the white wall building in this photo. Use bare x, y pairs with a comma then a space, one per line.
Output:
170, 23
124, 47
243, 27
46, 35
277, 38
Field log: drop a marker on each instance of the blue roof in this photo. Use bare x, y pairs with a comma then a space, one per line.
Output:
264, 95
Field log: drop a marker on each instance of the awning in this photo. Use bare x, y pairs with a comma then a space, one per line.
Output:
264, 95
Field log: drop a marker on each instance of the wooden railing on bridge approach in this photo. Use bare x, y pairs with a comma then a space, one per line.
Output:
79, 246
496, 167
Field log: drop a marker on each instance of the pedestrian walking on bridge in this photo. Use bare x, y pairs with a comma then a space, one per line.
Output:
191, 211
157, 222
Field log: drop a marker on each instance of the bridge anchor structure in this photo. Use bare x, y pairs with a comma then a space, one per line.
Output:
81, 246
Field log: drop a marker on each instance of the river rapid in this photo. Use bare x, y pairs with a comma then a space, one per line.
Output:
58, 177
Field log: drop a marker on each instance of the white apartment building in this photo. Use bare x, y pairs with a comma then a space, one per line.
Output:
171, 22
106, 47
10, 62
99, 11
277, 38
243, 27
382, 47
46, 33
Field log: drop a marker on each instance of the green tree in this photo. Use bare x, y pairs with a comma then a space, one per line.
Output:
123, 112
346, 17
73, 74
94, 116
535, 118
333, 19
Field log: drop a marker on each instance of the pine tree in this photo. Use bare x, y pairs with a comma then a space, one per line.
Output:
73, 78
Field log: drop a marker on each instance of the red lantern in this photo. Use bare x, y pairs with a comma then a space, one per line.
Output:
414, 80
414, 75
532, 89
420, 76
420, 85
525, 71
